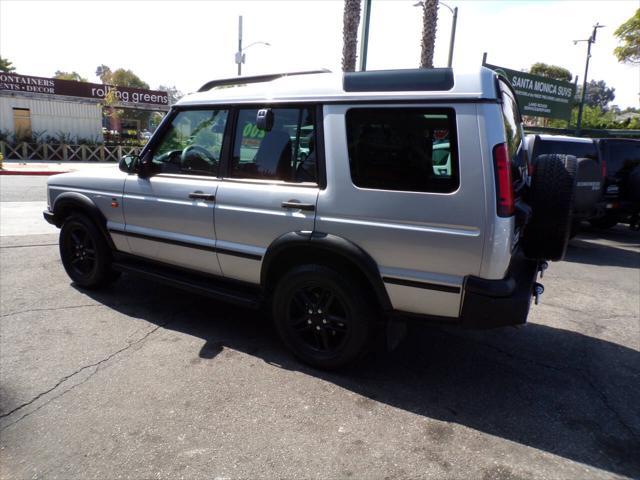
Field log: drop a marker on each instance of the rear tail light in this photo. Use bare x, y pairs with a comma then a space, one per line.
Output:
504, 185
603, 166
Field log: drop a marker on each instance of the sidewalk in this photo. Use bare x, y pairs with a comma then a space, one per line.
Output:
43, 167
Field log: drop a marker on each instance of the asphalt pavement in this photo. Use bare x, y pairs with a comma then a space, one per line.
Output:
143, 381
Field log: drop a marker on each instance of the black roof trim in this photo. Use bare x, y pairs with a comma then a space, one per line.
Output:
256, 79
414, 80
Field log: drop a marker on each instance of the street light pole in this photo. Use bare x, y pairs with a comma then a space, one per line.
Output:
590, 41
364, 40
453, 36
240, 56
239, 59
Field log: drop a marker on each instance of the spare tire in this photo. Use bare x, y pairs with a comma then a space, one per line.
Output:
551, 197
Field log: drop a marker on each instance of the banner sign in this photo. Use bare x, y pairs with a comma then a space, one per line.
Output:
52, 86
539, 96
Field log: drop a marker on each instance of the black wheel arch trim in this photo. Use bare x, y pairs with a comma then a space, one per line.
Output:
78, 201
331, 244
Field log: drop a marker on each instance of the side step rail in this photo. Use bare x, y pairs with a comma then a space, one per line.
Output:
190, 282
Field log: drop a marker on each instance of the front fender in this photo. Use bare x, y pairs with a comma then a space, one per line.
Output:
68, 202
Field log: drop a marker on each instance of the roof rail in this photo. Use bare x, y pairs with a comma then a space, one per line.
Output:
256, 79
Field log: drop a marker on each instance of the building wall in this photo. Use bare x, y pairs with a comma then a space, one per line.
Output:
79, 119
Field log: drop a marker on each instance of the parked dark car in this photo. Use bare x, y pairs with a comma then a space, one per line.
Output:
588, 196
621, 186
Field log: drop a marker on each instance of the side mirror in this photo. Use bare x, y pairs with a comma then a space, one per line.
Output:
264, 119
144, 166
128, 163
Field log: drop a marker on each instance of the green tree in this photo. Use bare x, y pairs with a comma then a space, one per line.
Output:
126, 78
598, 94
60, 75
551, 71
103, 72
173, 92
628, 49
429, 25
6, 65
350, 22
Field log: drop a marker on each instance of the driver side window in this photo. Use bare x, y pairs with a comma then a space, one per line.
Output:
192, 144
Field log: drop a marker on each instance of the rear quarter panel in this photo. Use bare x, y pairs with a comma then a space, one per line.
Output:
434, 238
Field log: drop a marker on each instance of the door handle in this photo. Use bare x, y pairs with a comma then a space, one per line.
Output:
209, 197
298, 206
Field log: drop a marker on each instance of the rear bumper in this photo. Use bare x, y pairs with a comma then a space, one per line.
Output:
498, 303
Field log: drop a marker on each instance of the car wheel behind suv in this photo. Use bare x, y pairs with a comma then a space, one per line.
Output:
604, 223
551, 197
324, 317
85, 254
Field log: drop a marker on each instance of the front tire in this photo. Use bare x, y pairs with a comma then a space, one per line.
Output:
84, 253
323, 316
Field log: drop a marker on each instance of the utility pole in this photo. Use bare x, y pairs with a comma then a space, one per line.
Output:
590, 41
239, 55
364, 40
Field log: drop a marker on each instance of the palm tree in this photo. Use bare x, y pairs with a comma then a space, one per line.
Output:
429, 24
351, 20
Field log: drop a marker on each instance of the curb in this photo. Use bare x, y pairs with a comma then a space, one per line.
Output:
32, 172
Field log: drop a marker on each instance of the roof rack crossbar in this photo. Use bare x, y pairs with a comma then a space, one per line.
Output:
256, 79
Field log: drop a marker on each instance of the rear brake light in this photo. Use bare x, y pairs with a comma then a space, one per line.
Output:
603, 166
504, 185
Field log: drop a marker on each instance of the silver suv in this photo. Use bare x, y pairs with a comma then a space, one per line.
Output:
339, 201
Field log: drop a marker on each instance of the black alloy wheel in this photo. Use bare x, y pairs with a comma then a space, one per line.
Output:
319, 318
84, 252
325, 317
81, 250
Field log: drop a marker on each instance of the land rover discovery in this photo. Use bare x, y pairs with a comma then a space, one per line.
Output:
337, 201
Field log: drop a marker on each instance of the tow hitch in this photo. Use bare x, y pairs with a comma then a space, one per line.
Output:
543, 266
538, 289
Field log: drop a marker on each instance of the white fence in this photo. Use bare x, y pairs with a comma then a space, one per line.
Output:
66, 153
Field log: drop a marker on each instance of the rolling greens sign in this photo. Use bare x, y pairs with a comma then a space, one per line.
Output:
539, 96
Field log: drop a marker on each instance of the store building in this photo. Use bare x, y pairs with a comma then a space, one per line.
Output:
76, 110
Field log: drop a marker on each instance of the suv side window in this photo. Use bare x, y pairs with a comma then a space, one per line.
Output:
408, 149
623, 157
192, 143
285, 153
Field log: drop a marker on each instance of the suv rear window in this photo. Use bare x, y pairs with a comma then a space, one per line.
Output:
409, 149
577, 149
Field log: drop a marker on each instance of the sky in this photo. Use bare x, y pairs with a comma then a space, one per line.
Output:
186, 43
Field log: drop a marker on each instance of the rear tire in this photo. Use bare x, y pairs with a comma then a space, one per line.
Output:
323, 316
604, 223
85, 254
551, 197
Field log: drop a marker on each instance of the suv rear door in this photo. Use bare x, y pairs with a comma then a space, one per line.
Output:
270, 187
401, 186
